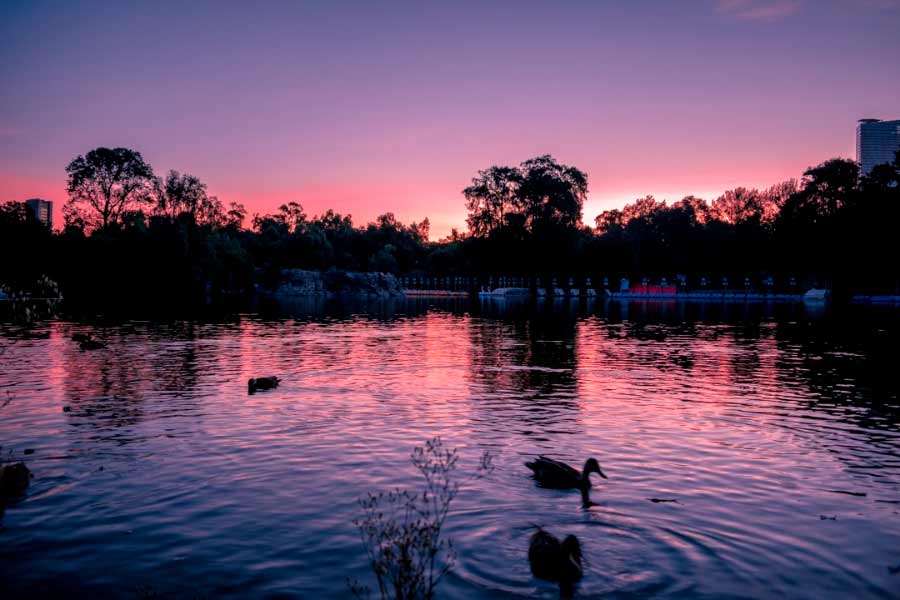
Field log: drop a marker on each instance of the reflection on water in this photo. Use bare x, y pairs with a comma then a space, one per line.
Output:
776, 430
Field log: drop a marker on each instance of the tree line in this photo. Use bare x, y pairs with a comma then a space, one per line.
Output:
132, 235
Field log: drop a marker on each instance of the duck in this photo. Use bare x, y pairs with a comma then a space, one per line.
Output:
81, 337
91, 344
14, 480
552, 560
262, 383
555, 474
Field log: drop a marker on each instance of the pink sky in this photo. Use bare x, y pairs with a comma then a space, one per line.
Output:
368, 110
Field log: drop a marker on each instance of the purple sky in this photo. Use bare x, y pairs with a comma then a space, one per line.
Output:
368, 108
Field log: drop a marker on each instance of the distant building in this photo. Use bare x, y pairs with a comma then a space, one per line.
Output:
876, 143
42, 209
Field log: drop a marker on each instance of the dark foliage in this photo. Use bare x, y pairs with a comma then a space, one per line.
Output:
132, 237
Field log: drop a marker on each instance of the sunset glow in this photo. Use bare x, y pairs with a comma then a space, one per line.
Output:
365, 109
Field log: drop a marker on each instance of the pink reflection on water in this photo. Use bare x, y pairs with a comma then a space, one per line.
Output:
746, 424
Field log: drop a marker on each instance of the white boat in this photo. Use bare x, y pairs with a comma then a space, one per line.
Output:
510, 292
815, 295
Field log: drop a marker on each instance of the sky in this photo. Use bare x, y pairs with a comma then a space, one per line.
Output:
369, 107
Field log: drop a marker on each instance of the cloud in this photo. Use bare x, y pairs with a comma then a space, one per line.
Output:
758, 10
774, 10
882, 4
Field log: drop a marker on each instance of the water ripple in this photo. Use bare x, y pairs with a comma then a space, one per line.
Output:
778, 437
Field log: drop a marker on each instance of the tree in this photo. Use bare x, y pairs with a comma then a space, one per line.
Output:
292, 216
738, 206
609, 222
493, 194
696, 207
641, 209
819, 228
184, 194
383, 260
24, 237
234, 218
14, 214
105, 183
773, 199
333, 222
454, 237
825, 190
421, 230
178, 193
551, 193
540, 193
387, 221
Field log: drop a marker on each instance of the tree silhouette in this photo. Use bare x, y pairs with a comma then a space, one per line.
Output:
184, 194
825, 190
234, 218
292, 215
539, 194
493, 194
551, 193
103, 184
831, 228
738, 206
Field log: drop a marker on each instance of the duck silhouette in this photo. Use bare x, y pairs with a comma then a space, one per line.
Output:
91, 344
552, 560
14, 480
262, 383
555, 474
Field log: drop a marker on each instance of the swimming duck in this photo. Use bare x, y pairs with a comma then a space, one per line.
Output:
558, 475
14, 480
91, 344
81, 337
552, 560
262, 383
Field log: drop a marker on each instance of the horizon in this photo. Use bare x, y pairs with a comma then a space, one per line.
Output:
366, 111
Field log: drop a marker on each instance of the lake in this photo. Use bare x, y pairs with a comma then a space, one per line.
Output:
776, 428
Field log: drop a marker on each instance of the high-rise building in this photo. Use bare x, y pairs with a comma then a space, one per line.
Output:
42, 209
876, 143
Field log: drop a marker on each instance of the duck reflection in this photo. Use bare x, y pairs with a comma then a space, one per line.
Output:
555, 561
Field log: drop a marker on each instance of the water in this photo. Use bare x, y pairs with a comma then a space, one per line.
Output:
166, 477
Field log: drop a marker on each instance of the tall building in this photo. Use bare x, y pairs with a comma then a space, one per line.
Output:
876, 143
42, 209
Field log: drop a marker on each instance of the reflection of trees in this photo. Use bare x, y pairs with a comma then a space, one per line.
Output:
349, 306
531, 368
709, 340
173, 365
107, 388
522, 372
794, 370
102, 388
848, 366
